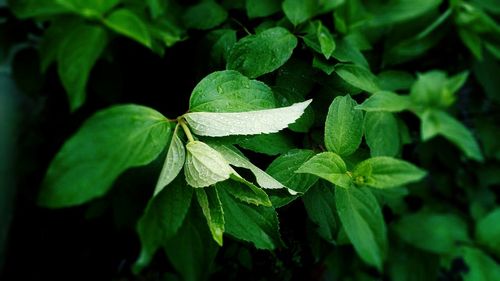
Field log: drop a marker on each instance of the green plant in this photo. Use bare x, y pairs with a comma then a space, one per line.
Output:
358, 109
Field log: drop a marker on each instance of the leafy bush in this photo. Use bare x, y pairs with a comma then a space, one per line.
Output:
349, 139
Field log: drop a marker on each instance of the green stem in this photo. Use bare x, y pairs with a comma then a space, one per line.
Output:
186, 130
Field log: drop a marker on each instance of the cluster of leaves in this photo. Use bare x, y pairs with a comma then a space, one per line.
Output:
365, 107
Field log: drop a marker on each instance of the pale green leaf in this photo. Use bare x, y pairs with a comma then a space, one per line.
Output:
256, 55
107, 144
230, 91
382, 134
176, 155
212, 210
328, 166
255, 224
386, 172
129, 24
358, 76
78, 54
343, 126
386, 101
363, 223
205, 166
244, 123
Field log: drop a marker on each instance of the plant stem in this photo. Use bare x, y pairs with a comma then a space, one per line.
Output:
186, 129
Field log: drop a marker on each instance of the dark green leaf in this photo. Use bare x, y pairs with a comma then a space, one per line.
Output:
481, 266
89, 8
283, 169
106, 145
382, 134
205, 15
488, 231
319, 202
36, 8
358, 76
262, 8
129, 24
270, 144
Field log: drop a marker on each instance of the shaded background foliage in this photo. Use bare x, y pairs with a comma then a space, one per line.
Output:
98, 240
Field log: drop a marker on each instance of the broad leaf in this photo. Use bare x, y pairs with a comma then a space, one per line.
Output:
358, 76
107, 144
205, 15
298, 11
481, 266
245, 191
262, 53
319, 202
329, 166
386, 101
244, 123
255, 224
386, 172
230, 91
24, 9
262, 8
343, 126
76, 57
162, 218
433, 232
212, 210
382, 134
283, 169
129, 24
205, 166
176, 155
89, 8
436, 122
488, 231
270, 144
363, 223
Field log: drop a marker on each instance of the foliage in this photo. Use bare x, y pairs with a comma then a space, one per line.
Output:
368, 127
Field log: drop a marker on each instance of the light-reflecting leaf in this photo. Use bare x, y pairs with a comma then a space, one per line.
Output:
205, 166
176, 155
212, 210
329, 166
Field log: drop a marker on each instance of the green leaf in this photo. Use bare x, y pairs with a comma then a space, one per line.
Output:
283, 169
76, 57
435, 89
107, 144
433, 232
191, 250
481, 266
382, 134
386, 101
255, 224
386, 172
329, 166
205, 15
24, 9
393, 80
343, 126
212, 210
223, 41
436, 122
326, 41
488, 231
230, 91
358, 76
235, 158
245, 191
162, 219
270, 144
89, 8
363, 223
174, 161
262, 8
256, 55
319, 202
129, 24
345, 51
298, 11
205, 166
244, 123
402, 10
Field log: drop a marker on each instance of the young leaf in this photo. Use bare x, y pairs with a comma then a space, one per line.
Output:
127, 23
205, 166
174, 161
245, 191
244, 123
437, 122
205, 15
255, 224
488, 231
382, 134
363, 223
343, 126
319, 202
329, 166
212, 210
162, 218
386, 172
230, 91
386, 101
256, 55
358, 76
107, 144
433, 232
76, 57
